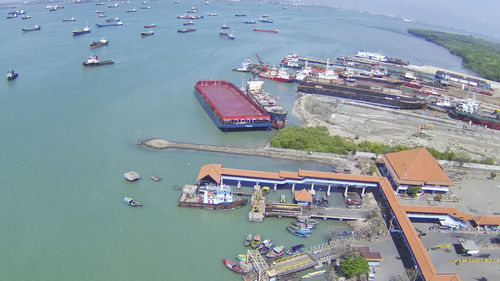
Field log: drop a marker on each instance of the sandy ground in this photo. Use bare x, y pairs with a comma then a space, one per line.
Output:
365, 122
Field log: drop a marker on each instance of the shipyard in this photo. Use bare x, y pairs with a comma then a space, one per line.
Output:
250, 140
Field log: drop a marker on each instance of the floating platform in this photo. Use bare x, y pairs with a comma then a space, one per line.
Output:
132, 176
229, 107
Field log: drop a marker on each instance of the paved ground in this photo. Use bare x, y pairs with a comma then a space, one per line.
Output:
391, 266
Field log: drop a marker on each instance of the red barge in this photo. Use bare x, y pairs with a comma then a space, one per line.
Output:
267, 30
229, 107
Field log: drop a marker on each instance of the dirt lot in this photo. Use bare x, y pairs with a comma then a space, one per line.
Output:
366, 122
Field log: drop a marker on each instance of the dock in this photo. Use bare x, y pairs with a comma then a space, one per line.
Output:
297, 211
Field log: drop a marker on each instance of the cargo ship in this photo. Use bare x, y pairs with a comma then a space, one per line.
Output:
470, 111
81, 31
101, 43
186, 30
229, 107
118, 23
358, 92
267, 102
210, 196
36, 27
267, 30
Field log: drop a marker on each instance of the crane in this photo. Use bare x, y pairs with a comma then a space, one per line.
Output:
264, 68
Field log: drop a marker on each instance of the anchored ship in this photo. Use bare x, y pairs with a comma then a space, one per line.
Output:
81, 31
267, 102
210, 197
469, 110
358, 92
229, 107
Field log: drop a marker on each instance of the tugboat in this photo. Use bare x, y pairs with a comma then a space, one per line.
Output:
226, 35
267, 102
81, 31
101, 43
244, 67
186, 30
147, 33
11, 74
36, 27
94, 61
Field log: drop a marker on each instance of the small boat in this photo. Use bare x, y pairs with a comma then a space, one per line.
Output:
155, 178
117, 23
212, 14
131, 202
276, 252
188, 23
94, 61
301, 230
353, 202
12, 16
255, 241
150, 25
283, 198
241, 257
81, 31
304, 225
248, 240
11, 74
101, 43
99, 12
226, 35
103, 16
267, 30
229, 263
266, 20
244, 67
147, 33
313, 274
113, 19
240, 15
224, 26
99, 4
26, 17
36, 27
293, 231
295, 249
186, 30
265, 189
312, 222
131, 10
146, 7
113, 5
249, 22
265, 244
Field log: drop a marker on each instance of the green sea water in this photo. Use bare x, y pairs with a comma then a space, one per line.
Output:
68, 134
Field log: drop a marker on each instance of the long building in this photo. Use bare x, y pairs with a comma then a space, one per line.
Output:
427, 272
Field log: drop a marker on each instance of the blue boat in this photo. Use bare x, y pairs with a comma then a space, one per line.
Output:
301, 230
11, 74
296, 233
227, 35
131, 202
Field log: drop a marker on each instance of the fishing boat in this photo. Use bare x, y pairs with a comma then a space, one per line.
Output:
301, 230
70, 19
155, 178
147, 33
312, 222
353, 202
229, 263
295, 249
244, 67
117, 23
249, 22
150, 25
186, 30
188, 23
266, 244
224, 26
255, 241
81, 31
241, 257
36, 27
267, 30
11, 74
304, 225
294, 232
226, 35
280, 75
131, 202
94, 61
276, 252
313, 274
248, 240
101, 43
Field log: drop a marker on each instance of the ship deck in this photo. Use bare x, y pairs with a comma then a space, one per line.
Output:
229, 101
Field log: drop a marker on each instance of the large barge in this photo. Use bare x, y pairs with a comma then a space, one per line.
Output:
229, 107
210, 196
363, 93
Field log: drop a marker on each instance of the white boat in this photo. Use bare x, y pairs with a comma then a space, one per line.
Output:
305, 72
329, 73
244, 67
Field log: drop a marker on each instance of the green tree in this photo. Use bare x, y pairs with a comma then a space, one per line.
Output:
413, 191
493, 175
352, 266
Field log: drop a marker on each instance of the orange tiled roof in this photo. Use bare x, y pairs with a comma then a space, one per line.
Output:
419, 251
416, 167
437, 210
487, 220
303, 195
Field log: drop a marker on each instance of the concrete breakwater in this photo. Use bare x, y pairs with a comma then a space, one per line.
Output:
337, 161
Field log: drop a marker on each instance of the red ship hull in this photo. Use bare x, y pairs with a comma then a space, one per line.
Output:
267, 30
279, 79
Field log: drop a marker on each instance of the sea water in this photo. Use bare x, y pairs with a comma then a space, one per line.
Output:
68, 133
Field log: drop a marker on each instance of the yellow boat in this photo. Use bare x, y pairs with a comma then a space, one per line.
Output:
265, 188
283, 198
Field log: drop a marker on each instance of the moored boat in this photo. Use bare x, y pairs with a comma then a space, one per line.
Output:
280, 75
241, 257
131, 202
353, 202
94, 61
81, 31
313, 274
283, 198
267, 102
11, 74
248, 240
147, 33
255, 241
295, 249
101, 43
244, 67
229, 263
296, 233
301, 230
276, 252
470, 111
36, 27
